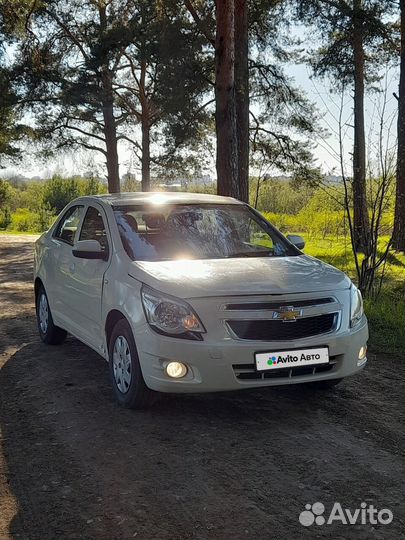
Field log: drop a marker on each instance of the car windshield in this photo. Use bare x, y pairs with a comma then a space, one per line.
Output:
203, 231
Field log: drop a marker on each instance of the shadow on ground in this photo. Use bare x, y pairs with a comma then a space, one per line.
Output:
213, 466
237, 465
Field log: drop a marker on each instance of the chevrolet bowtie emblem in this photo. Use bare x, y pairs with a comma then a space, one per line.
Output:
287, 313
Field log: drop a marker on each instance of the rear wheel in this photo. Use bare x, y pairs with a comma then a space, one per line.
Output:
325, 385
125, 370
48, 331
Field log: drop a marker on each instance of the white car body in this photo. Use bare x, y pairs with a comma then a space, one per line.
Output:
87, 297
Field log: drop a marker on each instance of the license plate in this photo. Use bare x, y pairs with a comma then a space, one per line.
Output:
291, 359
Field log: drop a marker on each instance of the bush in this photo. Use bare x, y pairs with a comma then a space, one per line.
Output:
23, 220
386, 317
5, 217
91, 186
280, 197
35, 205
58, 192
6, 193
30, 197
285, 222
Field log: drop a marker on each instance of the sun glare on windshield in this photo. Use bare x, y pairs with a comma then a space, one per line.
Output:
175, 232
158, 198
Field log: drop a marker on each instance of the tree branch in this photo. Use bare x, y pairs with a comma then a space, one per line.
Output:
86, 133
68, 32
199, 22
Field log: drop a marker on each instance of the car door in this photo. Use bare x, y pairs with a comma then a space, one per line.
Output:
58, 282
87, 279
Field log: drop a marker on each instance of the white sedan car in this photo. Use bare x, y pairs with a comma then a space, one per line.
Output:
182, 292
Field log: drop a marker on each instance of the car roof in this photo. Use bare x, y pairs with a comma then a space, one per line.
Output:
158, 197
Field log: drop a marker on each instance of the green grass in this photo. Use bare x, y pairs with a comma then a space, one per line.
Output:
386, 317
337, 251
386, 314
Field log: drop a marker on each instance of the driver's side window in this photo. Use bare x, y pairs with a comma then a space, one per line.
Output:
93, 228
67, 226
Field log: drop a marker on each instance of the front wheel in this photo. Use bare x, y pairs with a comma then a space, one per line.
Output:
125, 370
48, 331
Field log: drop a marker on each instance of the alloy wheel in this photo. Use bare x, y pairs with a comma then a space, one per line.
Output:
122, 365
43, 313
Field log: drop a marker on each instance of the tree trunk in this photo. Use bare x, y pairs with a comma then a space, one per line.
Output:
110, 126
398, 235
242, 95
257, 192
361, 222
225, 114
145, 122
110, 134
145, 154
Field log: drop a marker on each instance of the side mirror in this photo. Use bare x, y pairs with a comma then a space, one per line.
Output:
89, 249
297, 240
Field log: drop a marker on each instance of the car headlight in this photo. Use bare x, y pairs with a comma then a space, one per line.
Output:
171, 316
356, 306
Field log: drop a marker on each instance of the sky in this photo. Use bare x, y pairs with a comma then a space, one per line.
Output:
378, 105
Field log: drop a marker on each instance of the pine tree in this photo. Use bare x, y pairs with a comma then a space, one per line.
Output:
249, 72
398, 237
97, 72
352, 34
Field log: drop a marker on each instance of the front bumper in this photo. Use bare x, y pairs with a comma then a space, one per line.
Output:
229, 364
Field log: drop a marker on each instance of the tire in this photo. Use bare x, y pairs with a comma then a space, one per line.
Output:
48, 331
127, 380
325, 385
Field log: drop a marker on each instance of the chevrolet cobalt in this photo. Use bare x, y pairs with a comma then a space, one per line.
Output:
183, 292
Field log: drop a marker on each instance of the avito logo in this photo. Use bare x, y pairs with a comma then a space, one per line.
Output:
290, 359
364, 515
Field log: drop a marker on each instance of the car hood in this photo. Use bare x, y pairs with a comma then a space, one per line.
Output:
226, 277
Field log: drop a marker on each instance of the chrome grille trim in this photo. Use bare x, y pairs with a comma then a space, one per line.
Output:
333, 328
274, 305
235, 313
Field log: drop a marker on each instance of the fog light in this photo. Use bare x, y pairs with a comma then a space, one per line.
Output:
176, 370
362, 356
362, 352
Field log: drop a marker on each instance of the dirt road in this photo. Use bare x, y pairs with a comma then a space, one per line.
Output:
229, 466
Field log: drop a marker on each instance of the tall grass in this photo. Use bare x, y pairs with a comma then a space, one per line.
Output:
386, 317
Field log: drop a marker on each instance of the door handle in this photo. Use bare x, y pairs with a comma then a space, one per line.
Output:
72, 268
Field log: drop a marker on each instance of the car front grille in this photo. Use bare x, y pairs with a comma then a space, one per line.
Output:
248, 372
265, 306
277, 330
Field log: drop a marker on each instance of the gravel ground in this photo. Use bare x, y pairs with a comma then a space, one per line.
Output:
225, 466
